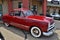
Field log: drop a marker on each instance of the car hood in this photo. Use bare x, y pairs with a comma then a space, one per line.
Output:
37, 17
51, 20
42, 18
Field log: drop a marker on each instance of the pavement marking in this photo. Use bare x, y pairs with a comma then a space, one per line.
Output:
57, 20
58, 32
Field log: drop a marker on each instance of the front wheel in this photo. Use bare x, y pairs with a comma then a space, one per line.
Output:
36, 32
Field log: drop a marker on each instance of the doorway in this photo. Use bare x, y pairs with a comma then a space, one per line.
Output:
59, 12
1, 11
19, 4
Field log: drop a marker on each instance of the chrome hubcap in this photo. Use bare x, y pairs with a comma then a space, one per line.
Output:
6, 24
36, 31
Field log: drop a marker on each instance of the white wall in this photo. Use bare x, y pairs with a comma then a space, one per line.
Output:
5, 7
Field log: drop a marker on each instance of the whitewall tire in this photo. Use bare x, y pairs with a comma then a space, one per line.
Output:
6, 24
36, 32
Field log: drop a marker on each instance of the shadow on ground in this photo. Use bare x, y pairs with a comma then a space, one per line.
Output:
20, 33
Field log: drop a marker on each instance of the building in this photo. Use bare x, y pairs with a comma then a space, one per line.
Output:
7, 5
53, 7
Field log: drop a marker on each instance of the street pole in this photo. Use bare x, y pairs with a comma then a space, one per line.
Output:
25, 34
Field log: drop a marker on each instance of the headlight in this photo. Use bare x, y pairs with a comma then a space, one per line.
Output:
48, 24
0, 39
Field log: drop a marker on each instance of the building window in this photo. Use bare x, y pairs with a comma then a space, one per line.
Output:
48, 10
34, 7
54, 12
55, 2
19, 4
59, 12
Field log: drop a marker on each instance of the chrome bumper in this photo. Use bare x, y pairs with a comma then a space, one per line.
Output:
50, 30
48, 33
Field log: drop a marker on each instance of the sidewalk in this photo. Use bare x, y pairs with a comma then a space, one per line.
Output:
8, 35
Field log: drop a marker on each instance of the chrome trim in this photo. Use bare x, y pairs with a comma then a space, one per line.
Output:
50, 30
51, 26
0, 39
48, 33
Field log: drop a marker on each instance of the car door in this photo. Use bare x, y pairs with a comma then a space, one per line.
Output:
20, 20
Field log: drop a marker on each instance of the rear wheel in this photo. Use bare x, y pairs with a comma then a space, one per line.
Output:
36, 32
6, 24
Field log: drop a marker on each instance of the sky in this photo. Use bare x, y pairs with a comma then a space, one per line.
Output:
50, 0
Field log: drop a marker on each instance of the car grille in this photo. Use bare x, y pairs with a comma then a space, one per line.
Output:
51, 26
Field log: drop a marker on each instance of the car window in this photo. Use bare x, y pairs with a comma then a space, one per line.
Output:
28, 13
17, 13
11, 13
21, 14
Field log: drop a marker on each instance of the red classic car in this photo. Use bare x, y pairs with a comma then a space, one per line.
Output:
26, 20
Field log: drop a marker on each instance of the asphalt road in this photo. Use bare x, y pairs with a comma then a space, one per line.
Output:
12, 33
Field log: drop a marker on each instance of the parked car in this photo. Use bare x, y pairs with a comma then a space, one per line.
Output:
24, 19
1, 37
48, 15
55, 15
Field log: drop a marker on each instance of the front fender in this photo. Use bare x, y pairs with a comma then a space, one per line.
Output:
42, 25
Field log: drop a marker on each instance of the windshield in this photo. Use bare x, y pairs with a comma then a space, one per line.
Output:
28, 13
